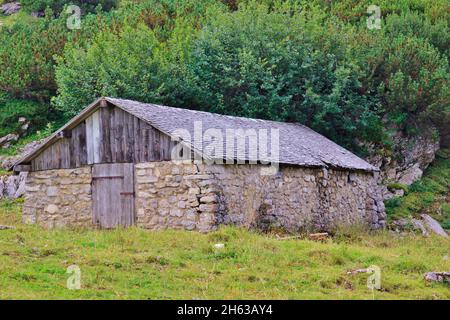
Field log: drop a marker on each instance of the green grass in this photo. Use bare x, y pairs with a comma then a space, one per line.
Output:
141, 264
4, 172
428, 195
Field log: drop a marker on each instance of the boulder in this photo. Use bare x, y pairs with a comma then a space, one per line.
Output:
433, 226
438, 277
7, 162
6, 141
20, 191
418, 225
10, 8
13, 186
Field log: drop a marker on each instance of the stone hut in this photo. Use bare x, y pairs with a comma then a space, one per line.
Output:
122, 163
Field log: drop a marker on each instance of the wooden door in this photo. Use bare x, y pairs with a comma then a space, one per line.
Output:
113, 194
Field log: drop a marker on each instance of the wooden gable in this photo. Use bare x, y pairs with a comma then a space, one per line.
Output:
108, 135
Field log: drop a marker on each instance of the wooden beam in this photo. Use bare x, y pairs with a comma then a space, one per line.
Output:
22, 167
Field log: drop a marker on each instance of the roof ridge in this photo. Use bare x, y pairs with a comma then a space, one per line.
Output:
207, 112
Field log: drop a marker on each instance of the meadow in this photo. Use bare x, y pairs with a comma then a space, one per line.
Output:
141, 264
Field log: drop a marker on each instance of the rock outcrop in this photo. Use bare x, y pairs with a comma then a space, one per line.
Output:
7, 161
13, 186
410, 157
201, 197
10, 8
433, 225
5, 142
426, 225
443, 277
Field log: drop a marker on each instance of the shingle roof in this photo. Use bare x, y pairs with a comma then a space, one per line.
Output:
298, 145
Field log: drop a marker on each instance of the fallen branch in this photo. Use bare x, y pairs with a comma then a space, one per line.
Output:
313, 236
288, 238
318, 236
358, 271
6, 227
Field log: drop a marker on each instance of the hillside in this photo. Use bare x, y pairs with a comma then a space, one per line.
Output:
308, 62
136, 264
428, 195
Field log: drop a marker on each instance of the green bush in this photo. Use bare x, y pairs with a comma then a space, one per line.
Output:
38, 114
407, 73
26, 57
58, 5
277, 65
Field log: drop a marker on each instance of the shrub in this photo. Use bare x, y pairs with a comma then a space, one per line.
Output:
273, 65
409, 76
58, 5
38, 114
132, 64
26, 57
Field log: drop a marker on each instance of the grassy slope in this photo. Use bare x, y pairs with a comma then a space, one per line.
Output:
428, 195
135, 263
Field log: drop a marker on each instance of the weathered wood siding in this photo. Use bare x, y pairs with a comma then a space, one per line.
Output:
110, 135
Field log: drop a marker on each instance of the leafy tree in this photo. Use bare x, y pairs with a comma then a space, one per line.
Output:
270, 65
132, 64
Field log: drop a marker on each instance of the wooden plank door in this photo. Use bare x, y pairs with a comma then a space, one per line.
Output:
113, 194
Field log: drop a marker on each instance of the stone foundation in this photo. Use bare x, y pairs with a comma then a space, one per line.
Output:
59, 198
201, 197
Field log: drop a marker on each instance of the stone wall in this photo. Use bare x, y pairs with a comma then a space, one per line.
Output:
174, 195
59, 198
200, 197
297, 199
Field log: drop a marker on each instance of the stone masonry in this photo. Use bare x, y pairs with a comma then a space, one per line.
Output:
59, 198
174, 195
201, 197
